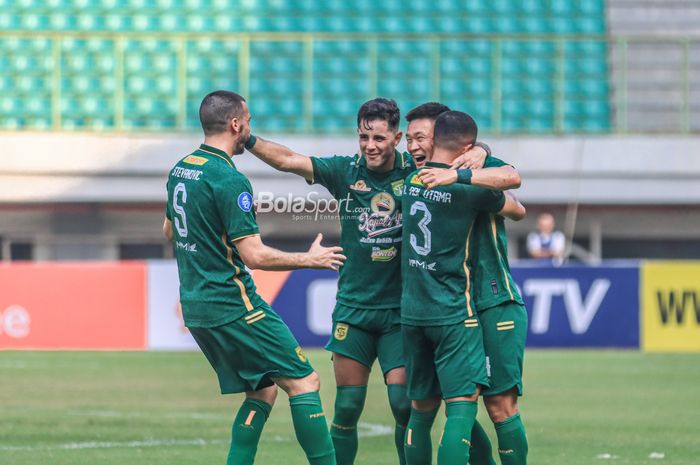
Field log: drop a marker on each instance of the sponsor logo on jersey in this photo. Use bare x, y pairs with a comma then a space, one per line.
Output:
383, 255
300, 354
360, 186
245, 201
186, 246
421, 264
383, 204
341, 331
397, 187
416, 180
195, 160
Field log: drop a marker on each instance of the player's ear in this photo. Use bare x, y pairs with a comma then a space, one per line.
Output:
397, 137
235, 125
467, 148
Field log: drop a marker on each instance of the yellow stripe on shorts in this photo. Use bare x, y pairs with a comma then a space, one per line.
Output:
505, 325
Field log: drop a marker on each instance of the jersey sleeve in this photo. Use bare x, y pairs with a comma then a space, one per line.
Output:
493, 162
486, 200
234, 200
328, 171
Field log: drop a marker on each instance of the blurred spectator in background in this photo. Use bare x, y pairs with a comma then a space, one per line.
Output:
546, 244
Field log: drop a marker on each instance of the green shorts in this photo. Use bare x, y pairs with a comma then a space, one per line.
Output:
505, 331
444, 361
248, 352
366, 335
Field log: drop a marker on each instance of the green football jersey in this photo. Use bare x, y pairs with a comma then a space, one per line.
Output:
436, 233
210, 205
492, 283
370, 223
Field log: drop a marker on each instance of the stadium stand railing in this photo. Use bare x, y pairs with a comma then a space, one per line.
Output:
300, 82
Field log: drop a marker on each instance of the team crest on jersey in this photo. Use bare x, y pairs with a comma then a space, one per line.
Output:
300, 354
245, 201
360, 186
341, 331
383, 204
195, 160
397, 187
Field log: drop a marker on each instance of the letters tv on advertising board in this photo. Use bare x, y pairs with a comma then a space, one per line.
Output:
580, 306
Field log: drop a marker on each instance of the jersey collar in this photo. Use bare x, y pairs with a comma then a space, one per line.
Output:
432, 164
209, 150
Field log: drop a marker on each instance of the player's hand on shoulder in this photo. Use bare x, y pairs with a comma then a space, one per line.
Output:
473, 158
330, 258
434, 177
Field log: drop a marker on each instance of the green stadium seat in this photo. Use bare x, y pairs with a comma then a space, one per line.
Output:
342, 70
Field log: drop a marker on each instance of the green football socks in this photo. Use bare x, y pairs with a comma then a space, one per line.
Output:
349, 401
512, 441
418, 446
401, 409
246, 431
481, 452
456, 439
311, 429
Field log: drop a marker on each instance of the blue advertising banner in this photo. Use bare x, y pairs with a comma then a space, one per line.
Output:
581, 306
572, 306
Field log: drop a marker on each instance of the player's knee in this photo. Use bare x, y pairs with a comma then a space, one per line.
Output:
400, 403
349, 402
501, 407
425, 404
267, 395
296, 386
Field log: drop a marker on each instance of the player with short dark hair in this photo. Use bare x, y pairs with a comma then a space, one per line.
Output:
419, 135
501, 311
366, 318
442, 336
211, 222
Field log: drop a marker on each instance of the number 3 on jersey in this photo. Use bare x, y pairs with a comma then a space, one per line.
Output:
423, 226
181, 219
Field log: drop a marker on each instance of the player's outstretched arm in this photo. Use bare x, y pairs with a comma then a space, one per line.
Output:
258, 256
168, 229
282, 158
512, 209
497, 178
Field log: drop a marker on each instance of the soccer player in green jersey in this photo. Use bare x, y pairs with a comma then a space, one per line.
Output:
498, 304
366, 319
211, 222
442, 335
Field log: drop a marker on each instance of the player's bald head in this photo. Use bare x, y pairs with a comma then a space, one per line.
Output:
218, 109
454, 130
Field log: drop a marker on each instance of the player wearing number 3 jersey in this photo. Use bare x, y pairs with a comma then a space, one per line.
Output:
211, 222
441, 331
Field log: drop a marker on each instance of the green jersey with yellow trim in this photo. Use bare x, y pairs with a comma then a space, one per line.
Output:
369, 207
436, 232
210, 205
492, 282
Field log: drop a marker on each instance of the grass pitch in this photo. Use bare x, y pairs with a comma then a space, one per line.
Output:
580, 408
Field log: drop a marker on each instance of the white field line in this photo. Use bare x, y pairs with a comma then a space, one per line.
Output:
366, 430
